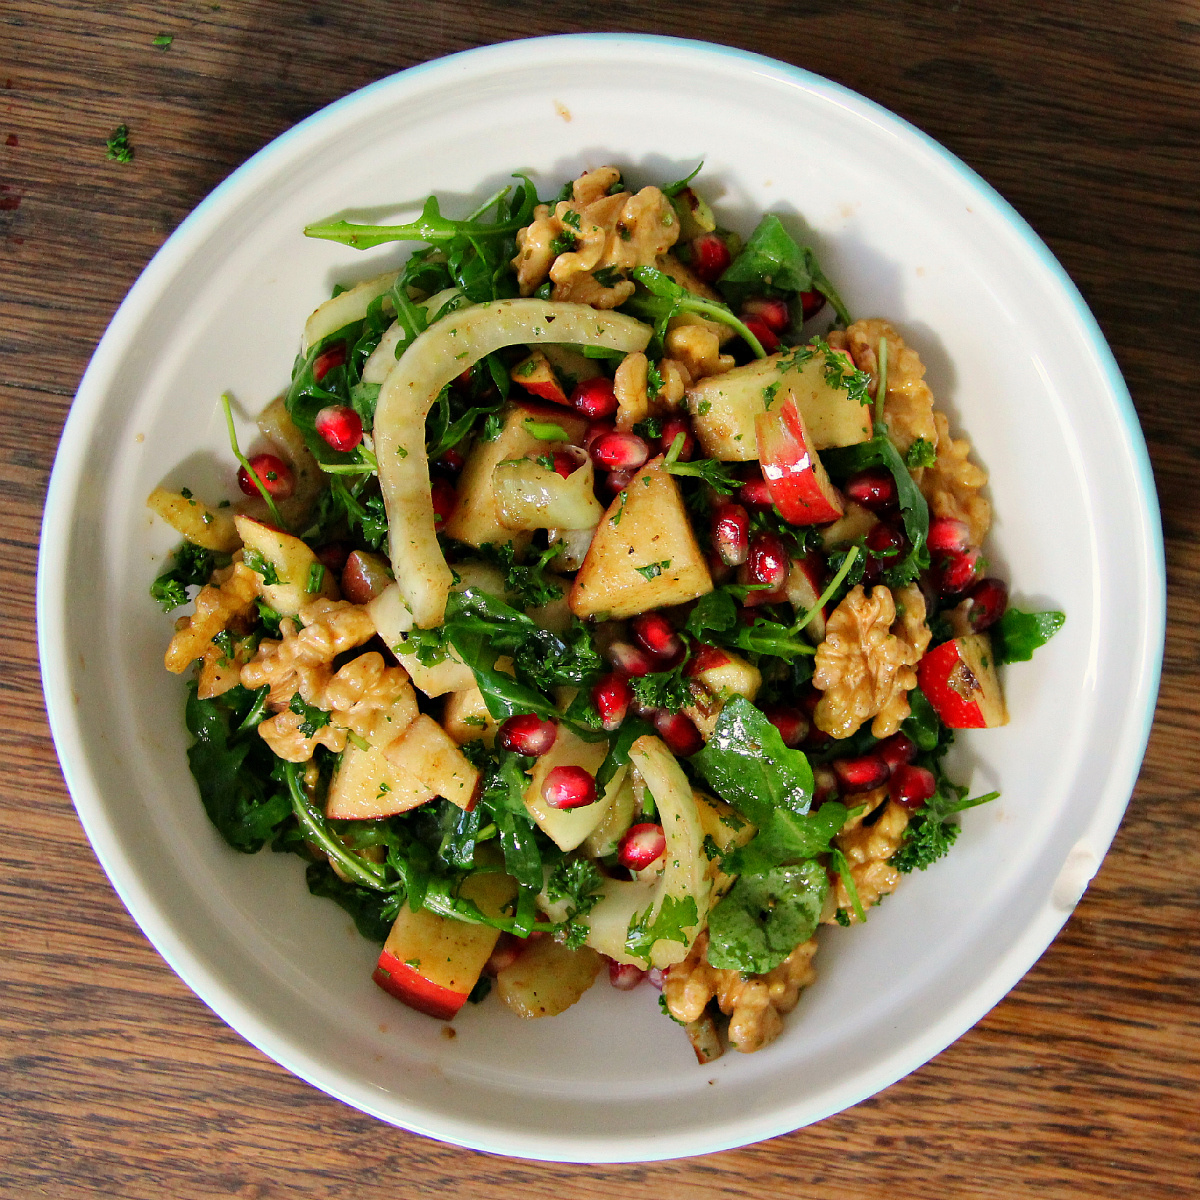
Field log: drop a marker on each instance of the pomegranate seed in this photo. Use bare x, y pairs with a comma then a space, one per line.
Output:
947, 536
956, 572
333, 556
808, 701
897, 751
874, 488
710, 256
718, 568
705, 658
630, 659
771, 311
618, 481
595, 398
275, 474
989, 599
611, 696
619, 451
596, 430
564, 464
817, 739
506, 952
912, 786
452, 462
791, 723
569, 787
340, 426
811, 303
324, 363
861, 774
885, 541
825, 785
655, 977
444, 497
654, 632
755, 494
767, 560
641, 845
679, 732
671, 429
624, 976
768, 339
527, 734
731, 533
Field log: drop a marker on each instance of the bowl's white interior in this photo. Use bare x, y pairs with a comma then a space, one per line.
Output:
906, 232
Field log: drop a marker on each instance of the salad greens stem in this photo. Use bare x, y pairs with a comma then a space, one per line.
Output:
257, 710
237, 453
834, 584
881, 383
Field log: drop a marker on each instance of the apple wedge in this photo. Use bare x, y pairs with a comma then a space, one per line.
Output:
644, 554
537, 376
212, 528
804, 586
959, 679
289, 561
547, 978
855, 523
431, 962
428, 753
796, 480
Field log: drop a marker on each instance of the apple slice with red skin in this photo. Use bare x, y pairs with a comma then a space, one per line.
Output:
804, 588
959, 679
797, 481
431, 962
537, 376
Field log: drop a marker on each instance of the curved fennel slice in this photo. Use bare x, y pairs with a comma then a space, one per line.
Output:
436, 357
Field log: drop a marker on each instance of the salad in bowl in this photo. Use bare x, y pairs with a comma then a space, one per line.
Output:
603, 602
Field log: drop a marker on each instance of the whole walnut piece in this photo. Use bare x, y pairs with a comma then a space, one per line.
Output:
865, 664
216, 609
952, 485
588, 245
754, 1004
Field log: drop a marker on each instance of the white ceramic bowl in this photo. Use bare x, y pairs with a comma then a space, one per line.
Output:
905, 230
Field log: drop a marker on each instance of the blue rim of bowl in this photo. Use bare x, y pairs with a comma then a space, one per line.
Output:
52, 561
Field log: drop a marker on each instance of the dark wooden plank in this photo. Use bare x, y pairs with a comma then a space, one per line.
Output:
116, 1080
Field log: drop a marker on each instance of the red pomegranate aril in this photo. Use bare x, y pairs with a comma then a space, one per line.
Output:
791, 723
771, 311
861, 774
527, 734
564, 464
910, 787
452, 462
275, 474
679, 732
767, 560
989, 599
595, 398
897, 751
624, 976
629, 659
808, 701
755, 494
619, 451
339, 426
324, 363
874, 489
596, 430
885, 541
569, 787
956, 572
641, 845
718, 568
611, 696
710, 256
656, 635
731, 533
947, 536
444, 497
671, 429
332, 556
825, 785
705, 658
618, 481
811, 303
767, 337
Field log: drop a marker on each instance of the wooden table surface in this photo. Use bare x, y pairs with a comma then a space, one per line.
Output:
1083, 1081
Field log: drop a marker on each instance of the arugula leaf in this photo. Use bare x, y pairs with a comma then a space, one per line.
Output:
631, 729
771, 263
747, 764
786, 838
673, 189
1018, 634
922, 725
668, 925
766, 916
234, 776
369, 908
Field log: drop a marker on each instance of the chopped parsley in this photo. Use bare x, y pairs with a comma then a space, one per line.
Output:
118, 147
261, 566
920, 454
311, 717
653, 570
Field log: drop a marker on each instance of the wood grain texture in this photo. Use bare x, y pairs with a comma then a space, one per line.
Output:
116, 1081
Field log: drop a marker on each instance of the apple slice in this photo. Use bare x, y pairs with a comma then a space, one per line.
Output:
959, 679
856, 523
804, 587
536, 375
431, 962
427, 752
796, 480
